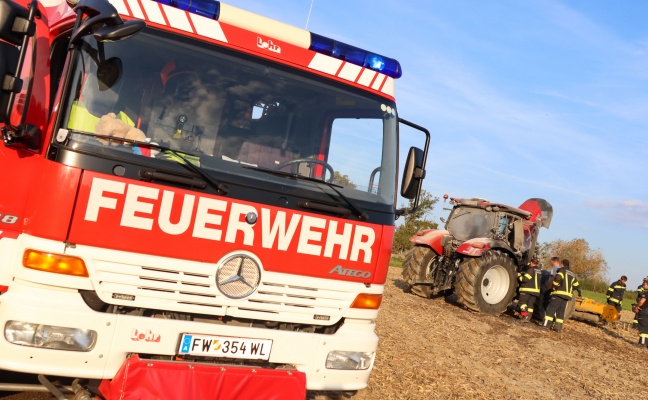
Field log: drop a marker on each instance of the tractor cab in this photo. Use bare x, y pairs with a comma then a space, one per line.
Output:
481, 221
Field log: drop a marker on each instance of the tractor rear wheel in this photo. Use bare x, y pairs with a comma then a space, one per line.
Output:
487, 284
415, 269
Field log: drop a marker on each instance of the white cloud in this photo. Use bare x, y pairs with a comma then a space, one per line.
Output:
630, 212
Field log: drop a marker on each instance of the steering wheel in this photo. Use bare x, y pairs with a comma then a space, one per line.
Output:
324, 164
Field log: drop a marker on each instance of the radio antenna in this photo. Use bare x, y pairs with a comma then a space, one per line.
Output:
309, 13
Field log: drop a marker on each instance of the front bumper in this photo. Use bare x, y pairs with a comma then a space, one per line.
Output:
119, 336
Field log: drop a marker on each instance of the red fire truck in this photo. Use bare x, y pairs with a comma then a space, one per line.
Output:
196, 201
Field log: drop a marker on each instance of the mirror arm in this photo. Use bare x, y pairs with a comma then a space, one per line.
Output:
422, 129
420, 172
97, 13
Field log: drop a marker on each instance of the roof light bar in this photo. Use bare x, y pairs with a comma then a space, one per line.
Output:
354, 55
206, 8
320, 44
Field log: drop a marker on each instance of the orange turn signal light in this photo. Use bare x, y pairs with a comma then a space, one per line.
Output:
367, 301
55, 263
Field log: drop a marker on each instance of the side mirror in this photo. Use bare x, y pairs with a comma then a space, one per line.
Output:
413, 174
17, 26
8, 62
9, 51
119, 32
14, 22
414, 170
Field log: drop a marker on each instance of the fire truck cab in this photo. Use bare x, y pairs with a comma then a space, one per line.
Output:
193, 197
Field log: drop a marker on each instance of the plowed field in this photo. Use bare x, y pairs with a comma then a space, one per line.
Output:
432, 349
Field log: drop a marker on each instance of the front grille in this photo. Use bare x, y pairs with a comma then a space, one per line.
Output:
188, 289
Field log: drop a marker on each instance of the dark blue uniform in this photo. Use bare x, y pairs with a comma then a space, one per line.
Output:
529, 291
615, 294
563, 284
642, 318
635, 321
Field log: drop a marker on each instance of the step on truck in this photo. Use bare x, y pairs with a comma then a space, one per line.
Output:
195, 199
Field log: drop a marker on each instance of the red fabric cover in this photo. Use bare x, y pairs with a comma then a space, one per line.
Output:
141, 379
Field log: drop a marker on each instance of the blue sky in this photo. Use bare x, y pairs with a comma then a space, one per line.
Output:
523, 99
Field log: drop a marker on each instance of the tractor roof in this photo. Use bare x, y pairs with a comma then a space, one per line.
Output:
489, 206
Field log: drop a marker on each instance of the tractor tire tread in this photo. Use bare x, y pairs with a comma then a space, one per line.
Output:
414, 269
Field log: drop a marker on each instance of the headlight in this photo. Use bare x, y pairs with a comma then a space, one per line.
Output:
49, 336
353, 360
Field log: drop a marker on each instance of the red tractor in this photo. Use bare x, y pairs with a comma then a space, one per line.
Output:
478, 254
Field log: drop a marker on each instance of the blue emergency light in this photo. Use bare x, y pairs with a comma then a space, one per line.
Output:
206, 8
320, 44
354, 55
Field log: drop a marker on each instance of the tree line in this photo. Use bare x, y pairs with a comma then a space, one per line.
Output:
588, 264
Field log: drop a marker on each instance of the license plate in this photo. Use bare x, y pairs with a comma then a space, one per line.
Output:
225, 346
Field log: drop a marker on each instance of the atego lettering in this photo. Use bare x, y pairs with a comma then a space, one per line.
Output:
148, 208
356, 273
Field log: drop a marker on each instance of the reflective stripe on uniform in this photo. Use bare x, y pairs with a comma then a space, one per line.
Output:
82, 120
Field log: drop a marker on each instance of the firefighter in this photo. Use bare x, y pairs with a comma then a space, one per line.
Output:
563, 283
615, 293
640, 290
98, 102
642, 315
529, 290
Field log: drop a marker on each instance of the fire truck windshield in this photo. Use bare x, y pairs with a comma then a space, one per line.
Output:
229, 112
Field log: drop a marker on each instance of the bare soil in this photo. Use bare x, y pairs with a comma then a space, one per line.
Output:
433, 349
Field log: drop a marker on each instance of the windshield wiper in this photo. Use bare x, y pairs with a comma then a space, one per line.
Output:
362, 216
282, 173
219, 187
344, 211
